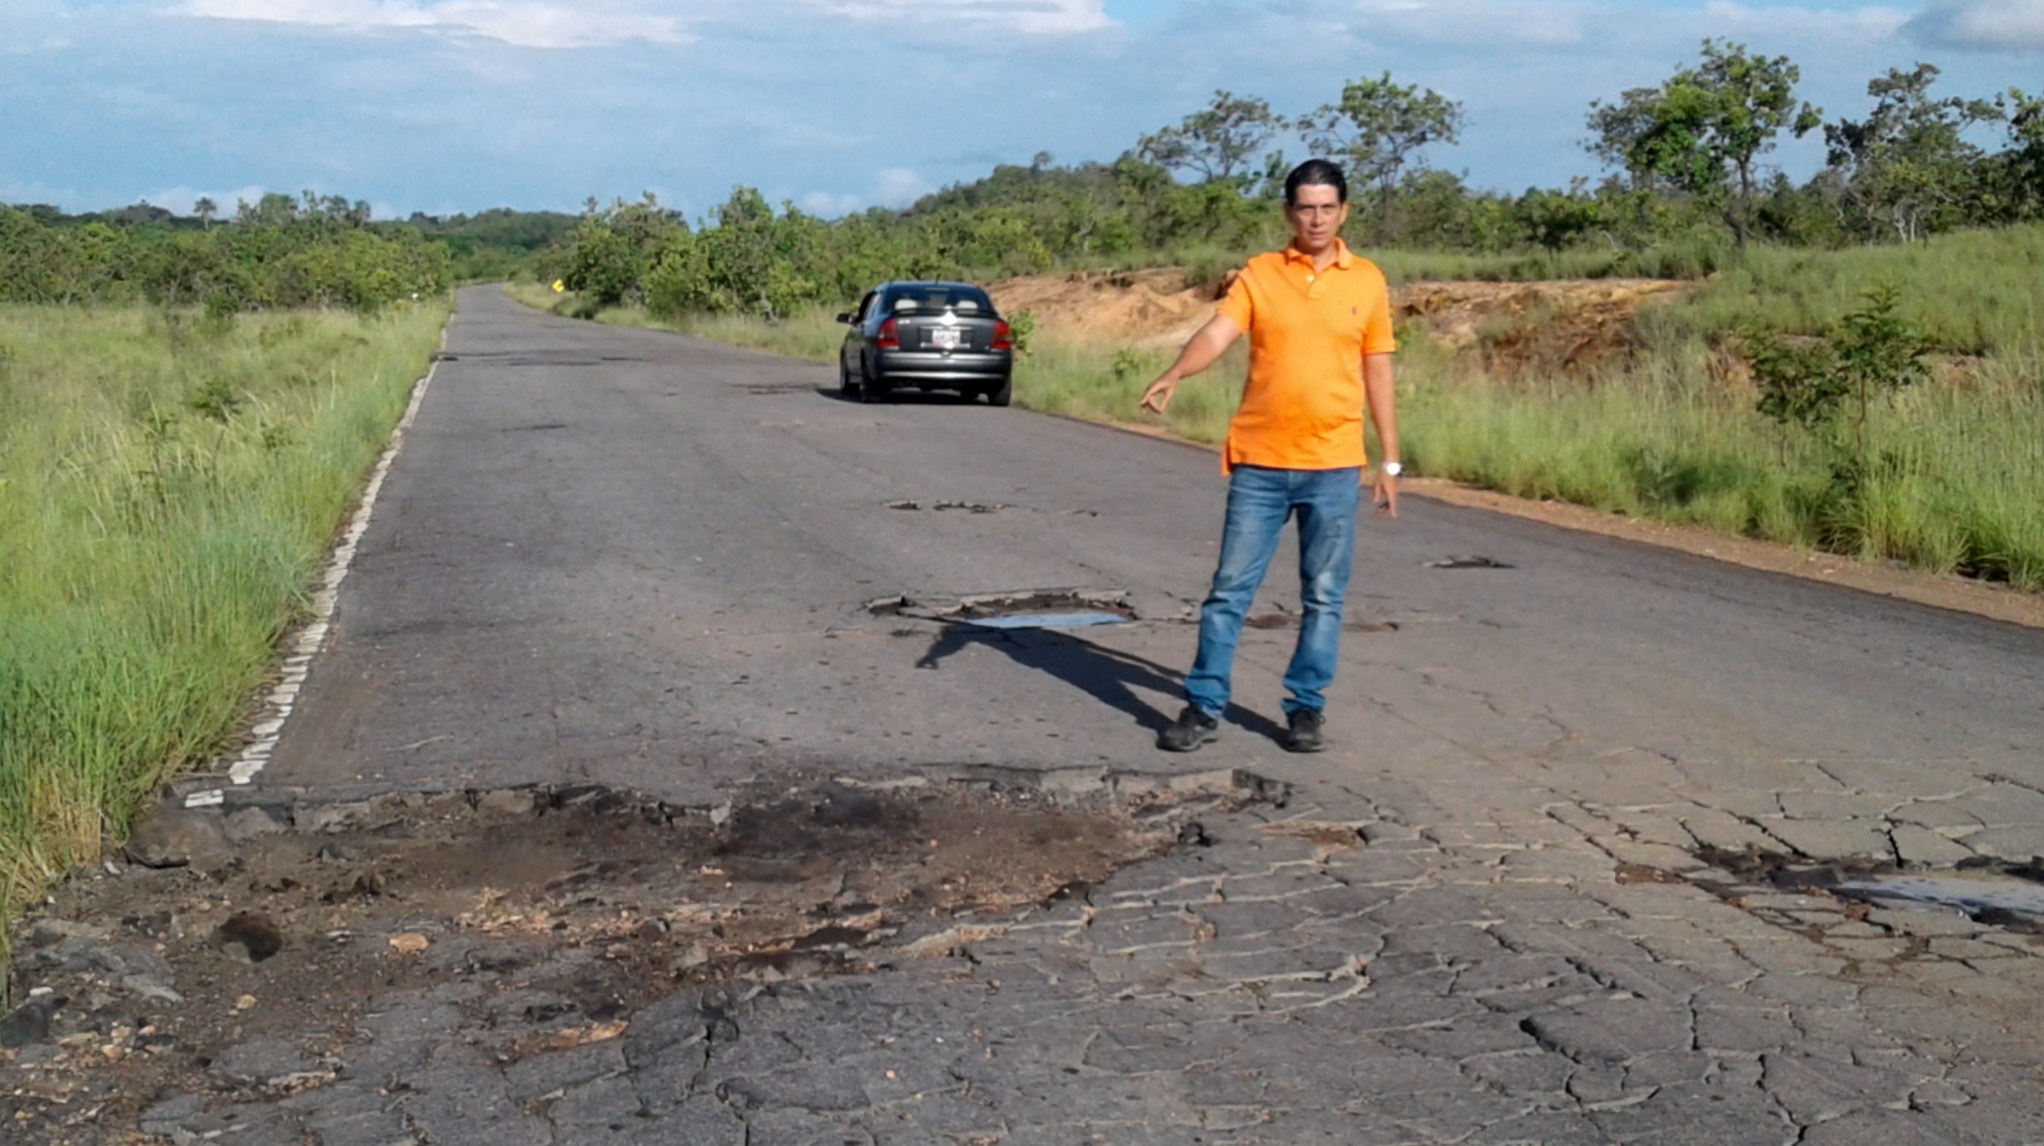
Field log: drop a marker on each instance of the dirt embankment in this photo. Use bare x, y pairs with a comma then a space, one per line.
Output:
1567, 324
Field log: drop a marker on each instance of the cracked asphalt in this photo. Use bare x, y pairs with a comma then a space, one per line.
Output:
634, 559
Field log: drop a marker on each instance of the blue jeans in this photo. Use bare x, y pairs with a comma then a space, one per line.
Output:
1260, 501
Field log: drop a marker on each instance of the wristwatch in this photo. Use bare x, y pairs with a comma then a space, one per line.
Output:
1390, 469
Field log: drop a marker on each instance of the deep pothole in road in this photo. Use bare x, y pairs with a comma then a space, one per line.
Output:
565, 910
1029, 609
2007, 895
950, 506
1274, 621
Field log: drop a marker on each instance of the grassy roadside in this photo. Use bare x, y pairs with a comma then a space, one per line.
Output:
168, 488
1957, 480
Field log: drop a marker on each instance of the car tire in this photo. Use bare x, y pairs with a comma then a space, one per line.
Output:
1003, 394
845, 385
872, 390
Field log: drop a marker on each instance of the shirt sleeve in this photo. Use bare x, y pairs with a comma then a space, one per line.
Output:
1235, 305
1377, 336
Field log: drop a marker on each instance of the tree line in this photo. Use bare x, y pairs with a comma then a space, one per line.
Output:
1685, 181
1685, 166
277, 252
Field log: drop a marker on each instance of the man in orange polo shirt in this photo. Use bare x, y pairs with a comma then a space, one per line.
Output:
1319, 325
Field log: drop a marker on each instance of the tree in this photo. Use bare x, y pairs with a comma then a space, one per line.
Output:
1558, 219
1869, 355
1216, 143
1907, 167
2021, 174
1704, 130
1378, 128
205, 209
611, 251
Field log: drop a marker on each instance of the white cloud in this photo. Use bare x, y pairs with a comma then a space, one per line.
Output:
898, 187
19, 191
1983, 25
1033, 17
1862, 24
895, 187
1473, 21
1561, 23
828, 206
521, 23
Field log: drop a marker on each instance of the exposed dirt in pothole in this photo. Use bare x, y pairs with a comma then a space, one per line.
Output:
1276, 621
568, 910
2003, 894
950, 506
987, 606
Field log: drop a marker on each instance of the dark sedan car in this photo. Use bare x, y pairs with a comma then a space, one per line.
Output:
929, 335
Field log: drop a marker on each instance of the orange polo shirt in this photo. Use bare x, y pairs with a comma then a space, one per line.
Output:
1303, 406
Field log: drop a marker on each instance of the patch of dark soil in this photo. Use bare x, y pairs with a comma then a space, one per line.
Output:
1993, 892
949, 506
1007, 605
1629, 873
992, 606
568, 911
1274, 621
1468, 561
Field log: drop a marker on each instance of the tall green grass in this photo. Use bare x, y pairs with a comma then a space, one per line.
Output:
168, 486
1976, 292
1957, 484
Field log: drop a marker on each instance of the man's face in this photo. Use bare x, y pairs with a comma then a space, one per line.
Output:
1316, 216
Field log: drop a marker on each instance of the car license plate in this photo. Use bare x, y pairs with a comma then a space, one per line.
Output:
944, 338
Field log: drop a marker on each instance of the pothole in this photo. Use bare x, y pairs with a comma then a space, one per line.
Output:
1992, 893
1468, 561
950, 506
1274, 621
566, 910
2004, 901
1032, 609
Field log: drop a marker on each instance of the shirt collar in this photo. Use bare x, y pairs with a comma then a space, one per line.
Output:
1342, 257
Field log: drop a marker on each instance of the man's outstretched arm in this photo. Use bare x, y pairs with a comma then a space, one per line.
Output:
1383, 398
1201, 351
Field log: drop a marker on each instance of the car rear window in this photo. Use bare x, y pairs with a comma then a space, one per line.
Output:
939, 295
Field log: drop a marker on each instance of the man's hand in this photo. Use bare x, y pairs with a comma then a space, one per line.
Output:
1385, 494
1158, 397
1201, 351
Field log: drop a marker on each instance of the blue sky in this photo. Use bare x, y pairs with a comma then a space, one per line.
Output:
460, 105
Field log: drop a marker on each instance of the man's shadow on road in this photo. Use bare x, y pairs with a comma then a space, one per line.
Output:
1107, 675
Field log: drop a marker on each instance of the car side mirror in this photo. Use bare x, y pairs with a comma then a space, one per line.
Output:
844, 316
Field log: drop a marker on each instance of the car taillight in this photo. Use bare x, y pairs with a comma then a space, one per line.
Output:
889, 337
1004, 337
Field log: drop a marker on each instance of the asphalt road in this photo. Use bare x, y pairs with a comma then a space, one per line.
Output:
647, 560
642, 560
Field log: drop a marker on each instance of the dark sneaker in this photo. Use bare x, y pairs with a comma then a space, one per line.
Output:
1304, 734
1192, 729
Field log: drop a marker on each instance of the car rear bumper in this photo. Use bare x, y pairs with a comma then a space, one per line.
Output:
923, 367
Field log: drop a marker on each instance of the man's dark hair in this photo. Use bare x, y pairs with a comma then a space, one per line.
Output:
1315, 173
